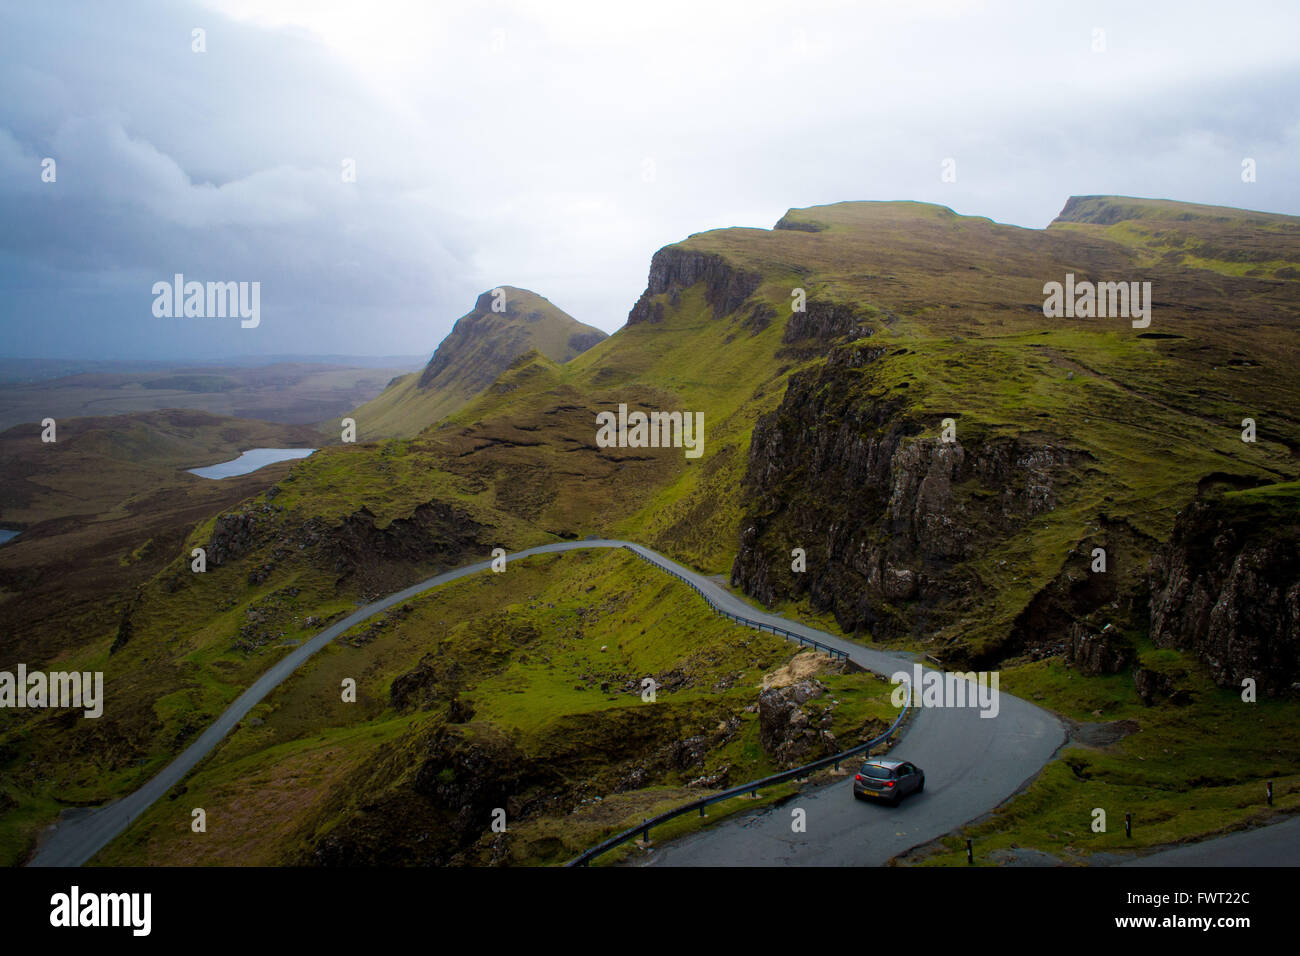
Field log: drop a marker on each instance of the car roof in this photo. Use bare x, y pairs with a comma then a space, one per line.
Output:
888, 764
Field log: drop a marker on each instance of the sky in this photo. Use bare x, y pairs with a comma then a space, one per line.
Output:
555, 145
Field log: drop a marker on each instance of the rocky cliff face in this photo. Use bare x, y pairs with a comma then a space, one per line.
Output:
1096, 652
791, 731
673, 269
1227, 586
885, 515
435, 531
824, 322
356, 549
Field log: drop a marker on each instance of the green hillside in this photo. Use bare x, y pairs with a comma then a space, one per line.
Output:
822, 431
520, 690
481, 345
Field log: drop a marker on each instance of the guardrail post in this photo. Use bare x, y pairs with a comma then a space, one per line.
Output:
1270, 793
1128, 825
970, 852
644, 829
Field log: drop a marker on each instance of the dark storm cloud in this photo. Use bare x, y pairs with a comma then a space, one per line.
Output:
555, 144
221, 166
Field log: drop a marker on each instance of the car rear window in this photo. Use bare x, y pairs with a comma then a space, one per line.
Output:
877, 773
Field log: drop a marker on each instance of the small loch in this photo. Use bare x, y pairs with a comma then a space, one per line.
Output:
250, 460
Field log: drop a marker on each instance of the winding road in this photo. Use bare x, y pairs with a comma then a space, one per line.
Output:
971, 763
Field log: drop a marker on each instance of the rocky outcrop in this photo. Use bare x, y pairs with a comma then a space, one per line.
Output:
688, 753
434, 531
1227, 586
790, 731
798, 225
471, 776
429, 797
125, 627
824, 321
882, 513
379, 559
1155, 686
236, 533
442, 805
1094, 652
673, 269
759, 318
1083, 612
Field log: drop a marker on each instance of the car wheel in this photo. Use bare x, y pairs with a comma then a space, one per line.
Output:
921, 786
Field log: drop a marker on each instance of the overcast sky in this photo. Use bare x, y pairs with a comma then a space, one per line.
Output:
556, 145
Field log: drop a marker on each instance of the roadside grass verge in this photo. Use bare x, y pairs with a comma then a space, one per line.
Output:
1185, 773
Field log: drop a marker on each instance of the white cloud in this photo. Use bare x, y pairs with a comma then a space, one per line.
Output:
504, 142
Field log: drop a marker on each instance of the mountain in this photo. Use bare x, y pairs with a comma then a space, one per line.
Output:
482, 344
1070, 433
881, 387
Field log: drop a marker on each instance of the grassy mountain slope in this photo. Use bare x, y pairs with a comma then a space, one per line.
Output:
519, 690
1135, 418
821, 432
482, 344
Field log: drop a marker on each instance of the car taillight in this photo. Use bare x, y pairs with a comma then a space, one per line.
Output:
858, 777
889, 783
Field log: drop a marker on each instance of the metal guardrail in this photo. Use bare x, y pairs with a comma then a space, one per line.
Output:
759, 625
643, 828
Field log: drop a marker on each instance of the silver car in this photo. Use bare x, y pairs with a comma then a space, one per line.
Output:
888, 780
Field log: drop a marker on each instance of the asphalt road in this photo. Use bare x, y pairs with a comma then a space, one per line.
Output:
971, 763
1277, 844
